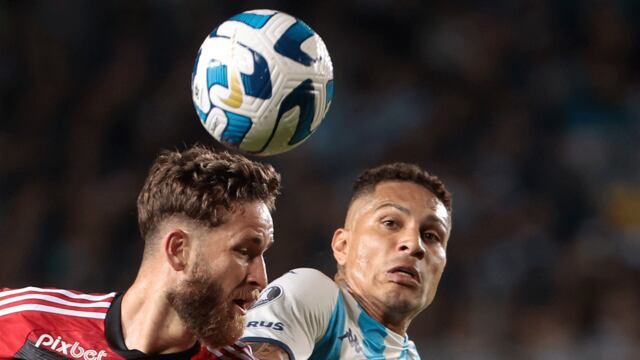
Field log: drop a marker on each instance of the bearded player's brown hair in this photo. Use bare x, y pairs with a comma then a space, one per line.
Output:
203, 185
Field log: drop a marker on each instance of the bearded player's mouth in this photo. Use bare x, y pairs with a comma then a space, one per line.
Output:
243, 305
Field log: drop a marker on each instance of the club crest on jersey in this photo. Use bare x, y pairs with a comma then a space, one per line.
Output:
353, 340
269, 294
74, 349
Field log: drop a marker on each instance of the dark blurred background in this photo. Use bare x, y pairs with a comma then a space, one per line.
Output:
529, 110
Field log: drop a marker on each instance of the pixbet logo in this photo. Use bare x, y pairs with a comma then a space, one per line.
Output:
67, 348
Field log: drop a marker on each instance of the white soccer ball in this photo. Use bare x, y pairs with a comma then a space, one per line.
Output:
262, 82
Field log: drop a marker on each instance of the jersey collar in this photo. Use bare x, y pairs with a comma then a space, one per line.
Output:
115, 338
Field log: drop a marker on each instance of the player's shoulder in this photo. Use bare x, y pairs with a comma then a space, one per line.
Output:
6, 292
302, 286
306, 280
33, 294
34, 302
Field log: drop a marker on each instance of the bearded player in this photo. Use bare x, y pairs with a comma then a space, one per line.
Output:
390, 256
205, 219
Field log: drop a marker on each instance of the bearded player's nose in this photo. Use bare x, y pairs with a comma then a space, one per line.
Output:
257, 273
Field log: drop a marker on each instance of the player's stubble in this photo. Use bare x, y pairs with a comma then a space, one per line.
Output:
205, 310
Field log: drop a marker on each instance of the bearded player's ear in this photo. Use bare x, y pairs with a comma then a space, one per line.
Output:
176, 247
340, 245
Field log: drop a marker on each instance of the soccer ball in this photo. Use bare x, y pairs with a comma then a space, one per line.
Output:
262, 82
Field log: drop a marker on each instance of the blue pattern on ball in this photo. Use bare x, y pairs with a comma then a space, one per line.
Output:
302, 96
289, 43
256, 21
329, 93
237, 128
217, 75
257, 84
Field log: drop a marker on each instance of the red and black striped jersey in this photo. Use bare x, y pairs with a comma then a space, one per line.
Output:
37, 323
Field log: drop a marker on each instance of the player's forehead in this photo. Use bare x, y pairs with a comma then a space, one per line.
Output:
404, 196
247, 223
251, 214
399, 191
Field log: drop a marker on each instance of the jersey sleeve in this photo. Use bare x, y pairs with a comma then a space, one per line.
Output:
293, 312
13, 331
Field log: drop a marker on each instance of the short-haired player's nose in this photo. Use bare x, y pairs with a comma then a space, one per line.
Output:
411, 242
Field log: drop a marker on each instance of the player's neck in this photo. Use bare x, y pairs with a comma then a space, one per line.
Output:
149, 323
391, 320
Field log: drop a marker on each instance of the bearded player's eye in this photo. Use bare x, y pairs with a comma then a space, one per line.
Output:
242, 251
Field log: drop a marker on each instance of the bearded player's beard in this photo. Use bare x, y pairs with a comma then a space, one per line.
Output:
205, 311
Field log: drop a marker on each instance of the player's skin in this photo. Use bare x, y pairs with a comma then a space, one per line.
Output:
266, 351
232, 253
400, 226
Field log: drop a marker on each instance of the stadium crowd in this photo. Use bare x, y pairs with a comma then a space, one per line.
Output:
529, 110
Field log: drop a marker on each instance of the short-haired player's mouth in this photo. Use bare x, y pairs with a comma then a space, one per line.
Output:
404, 275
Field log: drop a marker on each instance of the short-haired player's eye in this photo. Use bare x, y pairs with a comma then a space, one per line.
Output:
390, 223
430, 236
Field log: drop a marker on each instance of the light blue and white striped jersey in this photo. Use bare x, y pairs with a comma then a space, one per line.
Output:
308, 315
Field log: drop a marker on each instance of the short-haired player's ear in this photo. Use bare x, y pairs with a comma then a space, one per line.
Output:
176, 248
340, 245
